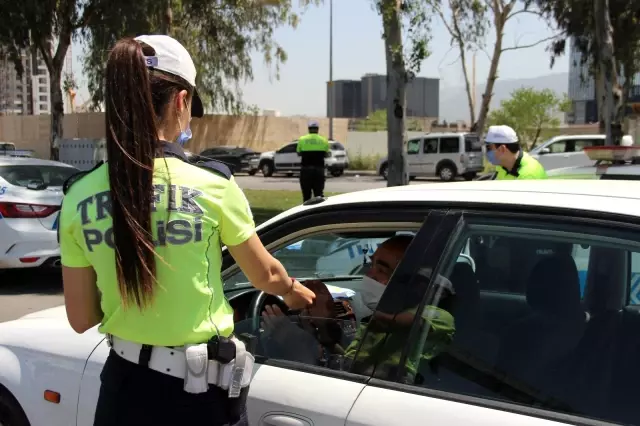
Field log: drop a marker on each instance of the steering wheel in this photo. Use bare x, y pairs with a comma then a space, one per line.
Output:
257, 306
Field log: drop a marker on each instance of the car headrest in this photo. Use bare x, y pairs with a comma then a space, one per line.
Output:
554, 287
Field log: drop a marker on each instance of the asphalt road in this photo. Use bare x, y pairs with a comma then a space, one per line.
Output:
25, 291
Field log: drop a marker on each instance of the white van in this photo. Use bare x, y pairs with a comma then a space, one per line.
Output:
446, 155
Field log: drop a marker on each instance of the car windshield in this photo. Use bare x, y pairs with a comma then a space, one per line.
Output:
22, 175
337, 146
472, 143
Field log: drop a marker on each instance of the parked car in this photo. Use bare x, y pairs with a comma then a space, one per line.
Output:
446, 155
606, 163
547, 314
8, 149
239, 159
566, 150
30, 200
287, 160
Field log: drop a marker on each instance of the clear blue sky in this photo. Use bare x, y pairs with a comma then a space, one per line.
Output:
359, 49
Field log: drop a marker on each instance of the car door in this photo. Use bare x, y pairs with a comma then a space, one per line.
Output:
430, 156
556, 155
286, 388
415, 157
286, 158
568, 358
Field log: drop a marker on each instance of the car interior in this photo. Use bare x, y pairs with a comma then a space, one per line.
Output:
544, 321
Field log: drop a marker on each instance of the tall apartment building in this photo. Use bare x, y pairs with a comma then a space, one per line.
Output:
360, 98
30, 94
346, 98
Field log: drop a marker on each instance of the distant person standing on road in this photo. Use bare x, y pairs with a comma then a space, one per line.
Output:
312, 149
504, 152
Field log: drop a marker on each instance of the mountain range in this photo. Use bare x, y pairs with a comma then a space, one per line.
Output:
453, 100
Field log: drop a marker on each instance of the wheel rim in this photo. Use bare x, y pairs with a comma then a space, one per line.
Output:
446, 173
385, 173
265, 170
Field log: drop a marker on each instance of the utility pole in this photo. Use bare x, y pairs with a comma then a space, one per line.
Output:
331, 97
604, 41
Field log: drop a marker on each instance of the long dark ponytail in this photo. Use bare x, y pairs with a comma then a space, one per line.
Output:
131, 143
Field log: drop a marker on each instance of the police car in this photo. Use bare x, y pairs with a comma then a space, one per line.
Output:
30, 200
546, 311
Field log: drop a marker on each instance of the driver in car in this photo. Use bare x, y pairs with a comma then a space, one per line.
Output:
378, 337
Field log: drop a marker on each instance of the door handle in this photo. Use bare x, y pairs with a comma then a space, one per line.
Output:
283, 420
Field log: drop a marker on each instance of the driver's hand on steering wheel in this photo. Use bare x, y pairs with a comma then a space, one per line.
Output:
272, 316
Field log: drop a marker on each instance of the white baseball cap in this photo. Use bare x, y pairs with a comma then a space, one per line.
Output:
313, 123
173, 58
501, 134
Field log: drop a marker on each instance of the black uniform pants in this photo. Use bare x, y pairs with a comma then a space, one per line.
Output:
133, 395
312, 181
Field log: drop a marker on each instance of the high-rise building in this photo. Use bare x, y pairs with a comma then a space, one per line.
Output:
28, 95
346, 98
360, 98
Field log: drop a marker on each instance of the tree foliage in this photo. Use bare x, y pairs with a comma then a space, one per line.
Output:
529, 112
576, 18
220, 35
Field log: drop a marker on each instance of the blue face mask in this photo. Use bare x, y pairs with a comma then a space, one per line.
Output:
184, 136
491, 156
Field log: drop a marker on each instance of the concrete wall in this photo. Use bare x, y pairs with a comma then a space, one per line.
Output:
257, 132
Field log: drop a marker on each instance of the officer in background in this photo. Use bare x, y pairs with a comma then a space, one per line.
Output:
504, 152
312, 149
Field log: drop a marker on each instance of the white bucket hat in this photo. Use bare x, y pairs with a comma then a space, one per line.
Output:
173, 58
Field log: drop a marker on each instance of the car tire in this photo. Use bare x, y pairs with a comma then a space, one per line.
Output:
267, 169
11, 414
447, 172
337, 172
384, 171
469, 176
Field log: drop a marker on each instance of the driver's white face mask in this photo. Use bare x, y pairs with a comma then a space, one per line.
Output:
370, 291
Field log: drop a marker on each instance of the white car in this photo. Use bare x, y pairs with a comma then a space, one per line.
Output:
30, 200
547, 315
445, 155
566, 150
287, 160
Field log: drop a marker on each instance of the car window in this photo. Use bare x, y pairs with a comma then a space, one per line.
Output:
449, 145
581, 144
336, 146
21, 175
472, 143
431, 146
213, 151
549, 319
557, 147
323, 335
288, 148
413, 146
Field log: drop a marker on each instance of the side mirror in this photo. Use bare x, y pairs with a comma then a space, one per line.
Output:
545, 151
36, 185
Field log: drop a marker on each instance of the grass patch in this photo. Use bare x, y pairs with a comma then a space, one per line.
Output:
266, 204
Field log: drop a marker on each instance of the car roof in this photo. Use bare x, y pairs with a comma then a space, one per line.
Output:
604, 196
29, 161
443, 134
627, 169
572, 137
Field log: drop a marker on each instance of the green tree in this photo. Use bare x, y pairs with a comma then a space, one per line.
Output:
375, 122
220, 34
405, 31
529, 112
593, 30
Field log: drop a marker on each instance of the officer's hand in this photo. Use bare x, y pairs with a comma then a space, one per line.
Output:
299, 297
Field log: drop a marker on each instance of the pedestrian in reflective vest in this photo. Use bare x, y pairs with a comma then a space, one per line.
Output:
504, 152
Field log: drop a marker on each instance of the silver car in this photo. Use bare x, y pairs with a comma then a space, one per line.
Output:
30, 200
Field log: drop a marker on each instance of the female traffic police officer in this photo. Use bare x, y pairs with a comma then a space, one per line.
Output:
503, 151
140, 240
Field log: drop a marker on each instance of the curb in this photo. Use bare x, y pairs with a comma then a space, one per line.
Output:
348, 172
